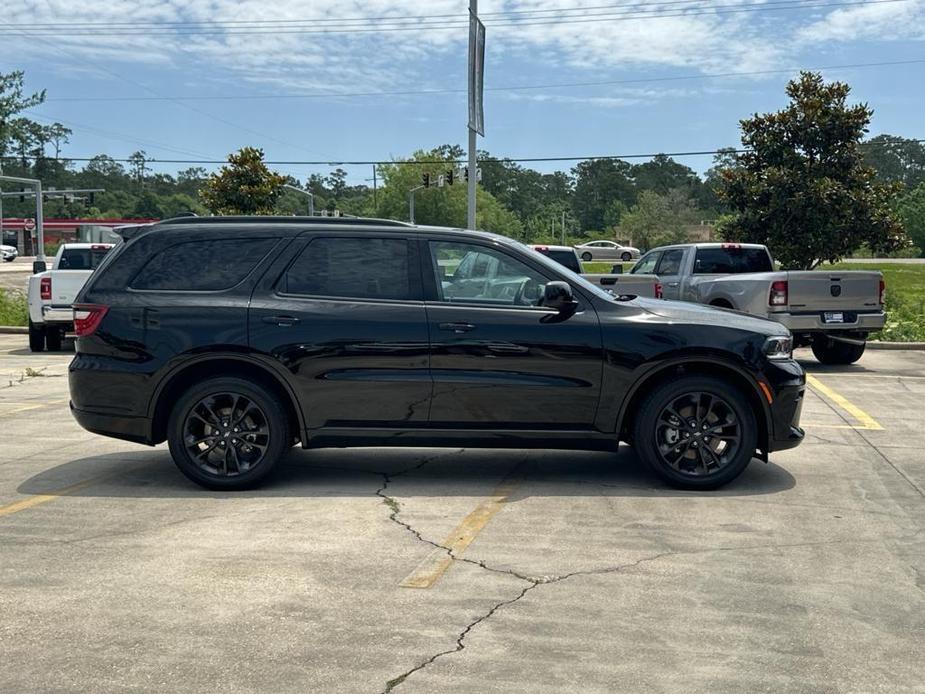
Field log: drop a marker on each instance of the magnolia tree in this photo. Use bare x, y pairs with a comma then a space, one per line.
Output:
802, 187
244, 186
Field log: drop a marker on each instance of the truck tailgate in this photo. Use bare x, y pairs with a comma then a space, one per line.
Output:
855, 290
65, 285
640, 285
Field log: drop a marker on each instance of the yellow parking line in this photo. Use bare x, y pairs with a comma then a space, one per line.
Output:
38, 499
864, 419
429, 571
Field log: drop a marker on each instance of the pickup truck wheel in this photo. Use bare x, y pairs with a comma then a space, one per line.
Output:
228, 433
626, 257
53, 339
696, 432
586, 256
36, 338
834, 352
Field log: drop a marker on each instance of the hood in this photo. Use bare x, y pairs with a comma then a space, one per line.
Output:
684, 312
7, 249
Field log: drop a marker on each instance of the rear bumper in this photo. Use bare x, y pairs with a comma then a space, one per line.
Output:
812, 322
135, 429
51, 314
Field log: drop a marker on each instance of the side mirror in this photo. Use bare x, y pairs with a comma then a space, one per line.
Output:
558, 295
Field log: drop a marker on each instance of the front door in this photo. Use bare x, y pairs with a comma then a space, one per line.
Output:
498, 360
669, 273
345, 318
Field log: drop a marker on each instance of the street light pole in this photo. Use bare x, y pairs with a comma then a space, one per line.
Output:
411, 203
40, 261
470, 193
311, 197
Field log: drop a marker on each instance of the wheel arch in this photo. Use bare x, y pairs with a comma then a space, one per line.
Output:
182, 377
699, 366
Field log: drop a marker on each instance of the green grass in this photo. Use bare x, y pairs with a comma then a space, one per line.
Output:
905, 299
604, 267
13, 309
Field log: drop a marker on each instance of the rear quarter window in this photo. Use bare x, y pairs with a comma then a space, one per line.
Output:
207, 265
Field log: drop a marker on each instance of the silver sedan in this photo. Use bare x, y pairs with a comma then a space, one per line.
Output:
606, 250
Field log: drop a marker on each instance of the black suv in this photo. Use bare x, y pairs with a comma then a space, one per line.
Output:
235, 338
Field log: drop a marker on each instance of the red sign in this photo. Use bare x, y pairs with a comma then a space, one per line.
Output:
29, 225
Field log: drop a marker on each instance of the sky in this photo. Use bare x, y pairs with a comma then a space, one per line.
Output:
334, 80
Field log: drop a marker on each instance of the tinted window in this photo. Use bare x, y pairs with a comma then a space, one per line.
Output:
82, 258
715, 261
670, 264
646, 264
357, 268
567, 258
484, 276
202, 265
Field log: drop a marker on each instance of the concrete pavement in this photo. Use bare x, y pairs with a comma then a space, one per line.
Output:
806, 574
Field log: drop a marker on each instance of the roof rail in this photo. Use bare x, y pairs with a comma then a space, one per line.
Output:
346, 221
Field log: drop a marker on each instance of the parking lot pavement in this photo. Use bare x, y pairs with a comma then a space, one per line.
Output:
574, 571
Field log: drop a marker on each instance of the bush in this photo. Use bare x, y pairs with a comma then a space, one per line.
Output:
13, 309
905, 320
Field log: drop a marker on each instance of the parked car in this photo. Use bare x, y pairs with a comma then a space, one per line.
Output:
233, 338
616, 283
831, 311
51, 293
606, 250
8, 253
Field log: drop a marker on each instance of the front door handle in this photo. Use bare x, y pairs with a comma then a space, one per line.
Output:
282, 321
457, 328
674, 284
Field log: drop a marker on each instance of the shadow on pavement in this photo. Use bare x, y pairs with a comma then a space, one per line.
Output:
360, 471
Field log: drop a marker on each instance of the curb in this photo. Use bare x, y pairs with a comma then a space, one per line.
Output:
873, 344
13, 330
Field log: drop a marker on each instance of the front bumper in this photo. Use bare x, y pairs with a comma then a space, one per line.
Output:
788, 386
811, 322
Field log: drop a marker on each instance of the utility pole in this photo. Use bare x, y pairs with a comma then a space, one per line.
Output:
563, 227
39, 265
375, 191
476, 113
311, 198
411, 203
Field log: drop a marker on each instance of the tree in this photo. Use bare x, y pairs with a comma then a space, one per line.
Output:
599, 182
896, 159
657, 220
12, 102
802, 187
911, 209
244, 186
337, 183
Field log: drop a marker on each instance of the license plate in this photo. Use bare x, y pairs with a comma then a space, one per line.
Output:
838, 317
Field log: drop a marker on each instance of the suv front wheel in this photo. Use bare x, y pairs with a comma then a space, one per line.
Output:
228, 433
696, 432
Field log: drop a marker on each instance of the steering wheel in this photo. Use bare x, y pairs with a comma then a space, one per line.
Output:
528, 283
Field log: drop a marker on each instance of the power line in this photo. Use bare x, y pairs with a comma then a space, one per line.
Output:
521, 87
518, 160
419, 26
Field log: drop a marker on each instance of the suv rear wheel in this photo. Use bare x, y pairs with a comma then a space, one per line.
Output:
696, 432
228, 433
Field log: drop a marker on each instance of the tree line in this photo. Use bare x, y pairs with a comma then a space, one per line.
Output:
806, 173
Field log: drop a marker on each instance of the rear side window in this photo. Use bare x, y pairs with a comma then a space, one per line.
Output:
352, 268
202, 265
82, 258
718, 261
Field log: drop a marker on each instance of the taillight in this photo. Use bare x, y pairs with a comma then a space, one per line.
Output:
778, 295
45, 288
658, 290
87, 318
882, 291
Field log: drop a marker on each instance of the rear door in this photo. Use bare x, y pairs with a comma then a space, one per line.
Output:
344, 315
498, 360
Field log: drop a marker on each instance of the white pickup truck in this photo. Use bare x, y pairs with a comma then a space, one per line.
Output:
616, 283
51, 293
833, 311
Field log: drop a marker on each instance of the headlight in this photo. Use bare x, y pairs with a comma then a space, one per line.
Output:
779, 348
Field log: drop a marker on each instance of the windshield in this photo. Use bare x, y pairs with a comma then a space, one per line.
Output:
558, 269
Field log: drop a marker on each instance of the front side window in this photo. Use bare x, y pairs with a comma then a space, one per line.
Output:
352, 268
211, 265
467, 273
646, 264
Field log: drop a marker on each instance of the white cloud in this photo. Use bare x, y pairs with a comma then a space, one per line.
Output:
904, 19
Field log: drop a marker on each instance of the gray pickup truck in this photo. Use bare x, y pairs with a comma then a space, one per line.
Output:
831, 311
616, 283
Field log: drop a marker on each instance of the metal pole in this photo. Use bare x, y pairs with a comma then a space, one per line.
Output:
563, 227
311, 197
375, 191
470, 194
39, 229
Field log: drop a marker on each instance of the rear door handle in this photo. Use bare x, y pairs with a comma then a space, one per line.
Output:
282, 321
457, 328
673, 284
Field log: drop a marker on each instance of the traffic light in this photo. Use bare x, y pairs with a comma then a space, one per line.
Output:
425, 180
450, 176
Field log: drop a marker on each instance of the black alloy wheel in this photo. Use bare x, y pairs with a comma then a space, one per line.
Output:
696, 432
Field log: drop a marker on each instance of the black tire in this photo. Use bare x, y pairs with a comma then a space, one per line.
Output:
36, 338
657, 445
586, 256
53, 339
9, 260
626, 257
219, 448
835, 352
